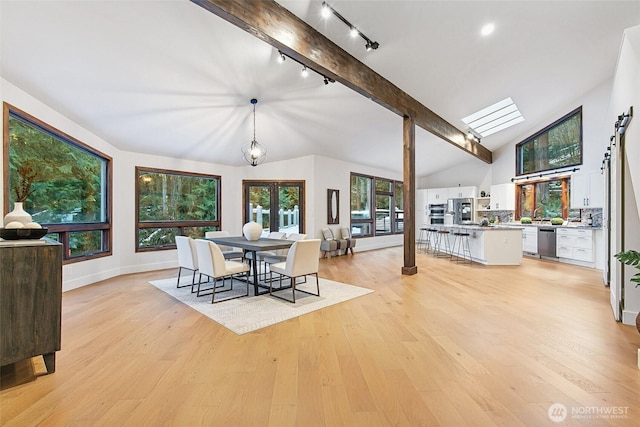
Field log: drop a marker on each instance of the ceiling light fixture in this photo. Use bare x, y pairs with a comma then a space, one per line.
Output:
328, 10
487, 29
494, 118
255, 153
305, 69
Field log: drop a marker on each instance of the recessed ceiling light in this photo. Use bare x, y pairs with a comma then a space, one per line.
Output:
494, 118
487, 29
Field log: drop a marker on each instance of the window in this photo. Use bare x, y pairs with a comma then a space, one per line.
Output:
544, 199
171, 203
71, 189
276, 205
556, 146
388, 198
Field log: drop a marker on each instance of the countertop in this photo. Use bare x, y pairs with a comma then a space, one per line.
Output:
497, 227
507, 226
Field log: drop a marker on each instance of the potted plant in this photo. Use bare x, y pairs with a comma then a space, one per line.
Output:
631, 258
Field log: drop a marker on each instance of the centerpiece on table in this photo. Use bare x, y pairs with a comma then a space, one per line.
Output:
18, 223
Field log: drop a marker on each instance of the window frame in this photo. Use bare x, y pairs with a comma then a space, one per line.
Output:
565, 197
63, 230
519, 146
394, 185
274, 187
180, 225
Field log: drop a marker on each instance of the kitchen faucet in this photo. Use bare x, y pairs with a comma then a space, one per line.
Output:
534, 212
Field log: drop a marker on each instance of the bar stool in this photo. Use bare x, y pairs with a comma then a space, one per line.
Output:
442, 235
431, 237
422, 239
463, 253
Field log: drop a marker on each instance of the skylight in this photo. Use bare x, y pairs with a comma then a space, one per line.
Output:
494, 118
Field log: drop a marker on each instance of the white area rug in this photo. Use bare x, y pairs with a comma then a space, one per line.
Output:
247, 314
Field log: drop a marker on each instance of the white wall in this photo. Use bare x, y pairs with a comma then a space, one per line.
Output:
626, 93
319, 173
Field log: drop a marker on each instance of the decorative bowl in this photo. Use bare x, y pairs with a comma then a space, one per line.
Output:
22, 233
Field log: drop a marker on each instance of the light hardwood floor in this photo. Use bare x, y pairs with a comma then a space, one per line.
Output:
453, 345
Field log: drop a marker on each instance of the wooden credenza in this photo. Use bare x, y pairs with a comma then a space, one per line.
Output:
30, 302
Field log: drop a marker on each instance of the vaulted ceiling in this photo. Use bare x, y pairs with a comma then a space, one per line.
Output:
170, 78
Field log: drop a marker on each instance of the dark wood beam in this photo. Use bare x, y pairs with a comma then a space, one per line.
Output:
274, 24
409, 190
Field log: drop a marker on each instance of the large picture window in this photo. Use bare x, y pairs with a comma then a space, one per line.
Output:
376, 206
172, 203
556, 146
71, 184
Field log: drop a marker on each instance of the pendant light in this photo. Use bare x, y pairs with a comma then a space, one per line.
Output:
255, 153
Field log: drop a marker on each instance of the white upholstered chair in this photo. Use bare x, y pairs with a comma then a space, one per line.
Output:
187, 258
302, 260
227, 251
261, 254
281, 254
212, 264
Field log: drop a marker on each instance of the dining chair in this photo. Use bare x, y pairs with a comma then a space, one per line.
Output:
227, 251
302, 261
213, 265
261, 254
187, 258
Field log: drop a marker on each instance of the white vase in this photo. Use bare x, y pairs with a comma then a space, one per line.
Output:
252, 230
17, 214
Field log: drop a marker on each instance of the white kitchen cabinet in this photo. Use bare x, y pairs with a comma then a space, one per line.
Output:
436, 196
575, 243
587, 190
530, 240
421, 200
503, 197
469, 192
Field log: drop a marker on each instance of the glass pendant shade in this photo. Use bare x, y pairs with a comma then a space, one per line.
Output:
255, 153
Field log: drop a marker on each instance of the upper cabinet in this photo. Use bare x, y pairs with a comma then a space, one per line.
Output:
437, 196
503, 197
469, 192
587, 190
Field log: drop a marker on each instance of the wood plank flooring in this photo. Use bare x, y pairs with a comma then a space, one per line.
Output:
454, 345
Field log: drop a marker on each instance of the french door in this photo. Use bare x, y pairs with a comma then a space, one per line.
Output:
276, 205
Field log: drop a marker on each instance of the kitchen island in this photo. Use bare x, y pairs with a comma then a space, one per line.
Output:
492, 245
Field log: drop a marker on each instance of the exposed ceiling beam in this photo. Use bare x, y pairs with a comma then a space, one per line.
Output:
280, 28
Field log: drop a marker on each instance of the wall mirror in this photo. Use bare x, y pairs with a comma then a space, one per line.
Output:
333, 206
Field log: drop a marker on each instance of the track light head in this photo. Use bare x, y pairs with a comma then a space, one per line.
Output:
305, 72
371, 45
281, 57
326, 10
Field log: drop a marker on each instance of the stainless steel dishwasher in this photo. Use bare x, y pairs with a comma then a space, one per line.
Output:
547, 241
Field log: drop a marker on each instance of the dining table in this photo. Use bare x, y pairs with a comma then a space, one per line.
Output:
262, 244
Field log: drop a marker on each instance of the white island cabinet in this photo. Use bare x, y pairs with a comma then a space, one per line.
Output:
493, 245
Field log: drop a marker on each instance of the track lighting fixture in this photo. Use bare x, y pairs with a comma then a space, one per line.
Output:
471, 136
305, 69
328, 10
